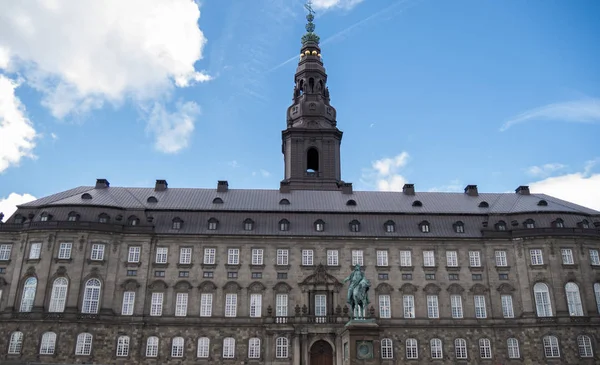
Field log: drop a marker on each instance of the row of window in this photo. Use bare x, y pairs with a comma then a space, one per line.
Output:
319, 225
257, 256
92, 295
84, 343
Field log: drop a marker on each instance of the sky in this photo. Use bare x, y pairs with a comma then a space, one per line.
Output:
437, 93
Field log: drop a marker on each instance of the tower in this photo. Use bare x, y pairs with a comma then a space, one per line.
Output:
311, 143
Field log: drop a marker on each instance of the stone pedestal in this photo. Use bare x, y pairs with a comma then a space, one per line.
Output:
360, 343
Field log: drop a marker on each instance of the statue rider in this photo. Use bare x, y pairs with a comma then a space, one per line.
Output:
355, 277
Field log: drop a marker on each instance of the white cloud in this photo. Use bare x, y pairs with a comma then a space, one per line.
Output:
17, 135
265, 173
172, 131
384, 174
233, 164
454, 186
579, 188
9, 205
81, 54
579, 111
327, 4
544, 170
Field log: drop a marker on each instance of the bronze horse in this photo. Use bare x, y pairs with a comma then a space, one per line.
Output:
360, 298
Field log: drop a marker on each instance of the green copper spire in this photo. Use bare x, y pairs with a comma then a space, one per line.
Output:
310, 36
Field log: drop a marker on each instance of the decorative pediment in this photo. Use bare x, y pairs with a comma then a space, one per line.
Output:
408, 288
30, 271
505, 289
130, 285
158, 285
207, 286
432, 289
384, 288
478, 289
455, 289
231, 287
61, 271
183, 285
282, 288
256, 287
321, 278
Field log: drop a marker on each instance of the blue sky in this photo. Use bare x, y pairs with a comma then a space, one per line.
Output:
437, 93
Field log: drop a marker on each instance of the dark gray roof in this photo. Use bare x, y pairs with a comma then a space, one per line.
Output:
189, 199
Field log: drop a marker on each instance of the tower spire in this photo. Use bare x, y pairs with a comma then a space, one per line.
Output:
310, 35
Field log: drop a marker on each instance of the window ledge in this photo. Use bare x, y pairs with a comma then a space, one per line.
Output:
333, 267
503, 268
538, 267
282, 267
476, 268
33, 261
231, 267
208, 266
407, 268
63, 261
595, 267
257, 267
307, 267
430, 268
132, 264
96, 262
570, 266
382, 268
7, 262
160, 265
362, 267
452, 268
185, 266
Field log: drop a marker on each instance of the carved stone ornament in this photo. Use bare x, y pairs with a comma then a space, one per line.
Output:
256, 287
232, 287
183, 285
61, 271
130, 285
51, 239
321, 278
30, 271
539, 277
158, 285
455, 289
81, 242
571, 276
384, 288
207, 286
478, 289
282, 288
432, 289
506, 289
408, 288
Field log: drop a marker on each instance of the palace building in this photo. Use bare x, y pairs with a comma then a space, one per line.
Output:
104, 274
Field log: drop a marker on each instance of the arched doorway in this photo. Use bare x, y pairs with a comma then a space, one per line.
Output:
321, 353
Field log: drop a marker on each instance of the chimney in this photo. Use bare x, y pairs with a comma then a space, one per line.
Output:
222, 186
102, 184
471, 190
347, 188
408, 189
161, 185
284, 187
522, 190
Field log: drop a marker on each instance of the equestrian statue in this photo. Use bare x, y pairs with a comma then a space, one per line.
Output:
358, 291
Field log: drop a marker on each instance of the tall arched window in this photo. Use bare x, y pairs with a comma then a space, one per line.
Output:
460, 348
436, 348
597, 295
312, 160
412, 351
84, 344
91, 296
585, 346
16, 343
281, 348
123, 346
387, 349
512, 345
485, 348
228, 348
177, 347
203, 347
551, 348
542, 300
152, 346
48, 343
254, 348
28, 296
58, 298
573, 300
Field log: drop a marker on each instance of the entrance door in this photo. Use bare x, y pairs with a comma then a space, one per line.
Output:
321, 353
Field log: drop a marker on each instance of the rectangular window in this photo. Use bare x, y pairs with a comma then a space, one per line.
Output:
429, 276
406, 276
255, 305
409, 306
456, 306
206, 301
536, 257
208, 274
474, 259
256, 275
307, 257
453, 277
35, 251
567, 256
131, 272
428, 258
405, 258
385, 305
233, 256
185, 255
64, 251
332, 258
433, 307
480, 311
282, 275
257, 256
383, 276
357, 257
134, 254
210, 255
502, 276
281, 305
97, 252
181, 303
507, 306
232, 275
477, 277
283, 257
594, 257
451, 258
156, 305
161, 255
231, 305
159, 273
5, 252
501, 258
128, 303
320, 305
382, 258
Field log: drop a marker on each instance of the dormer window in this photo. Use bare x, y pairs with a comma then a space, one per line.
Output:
103, 218
73, 217
86, 196
389, 226
351, 203
284, 225
417, 203
213, 224
248, 225
284, 202
355, 226
542, 203
19, 219
217, 200
177, 223
133, 221
424, 226
584, 224
319, 226
558, 223
45, 217
529, 224
484, 205
152, 199
459, 227
501, 226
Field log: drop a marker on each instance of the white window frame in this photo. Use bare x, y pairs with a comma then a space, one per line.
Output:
460, 348
387, 349
551, 346
156, 304
480, 309
429, 258
405, 258
385, 306
584, 343
512, 345
58, 296
206, 304
574, 303
134, 254
501, 260
281, 305
474, 259
254, 348
64, 250
308, 257
35, 251
181, 304
456, 306
283, 257
5, 250
122, 346
28, 295
382, 258
537, 256
185, 255
128, 304
257, 256
452, 258
91, 296
162, 255
97, 253
507, 306
152, 346
15, 344
333, 258
433, 310
228, 348
485, 348
594, 257
48, 343
210, 255
233, 256
408, 303
255, 305
177, 347
435, 346
597, 296
543, 304
281, 348
412, 349
567, 256
231, 305
203, 351
84, 344
357, 257
320, 305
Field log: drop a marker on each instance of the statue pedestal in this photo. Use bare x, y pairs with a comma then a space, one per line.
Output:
360, 342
